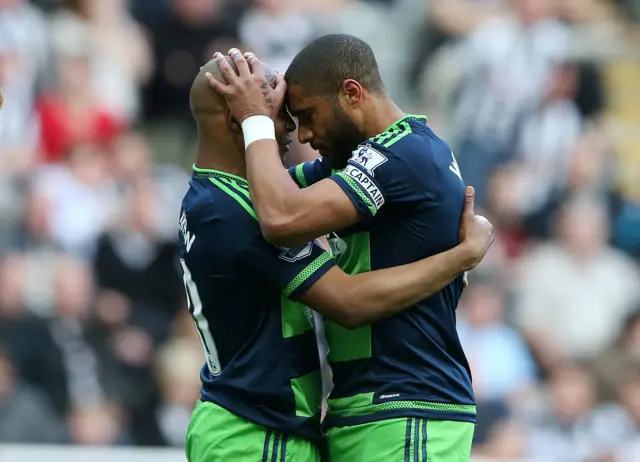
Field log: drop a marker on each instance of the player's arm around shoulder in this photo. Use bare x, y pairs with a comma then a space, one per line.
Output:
356, 300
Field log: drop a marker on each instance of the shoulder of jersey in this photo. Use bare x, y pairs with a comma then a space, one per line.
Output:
226, 200
398, 141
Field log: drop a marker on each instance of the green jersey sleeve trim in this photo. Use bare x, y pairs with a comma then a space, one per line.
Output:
306, 273
361, 194
302, 179
235, 194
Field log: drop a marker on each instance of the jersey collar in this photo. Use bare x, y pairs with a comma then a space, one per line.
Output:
209, 172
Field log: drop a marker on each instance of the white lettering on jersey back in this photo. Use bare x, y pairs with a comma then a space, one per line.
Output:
369, 186
368, 157
186, 234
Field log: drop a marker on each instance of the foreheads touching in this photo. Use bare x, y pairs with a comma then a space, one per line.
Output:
335, 68
333, 64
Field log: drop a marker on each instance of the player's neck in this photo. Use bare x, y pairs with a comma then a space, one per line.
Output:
216, 156
383, 113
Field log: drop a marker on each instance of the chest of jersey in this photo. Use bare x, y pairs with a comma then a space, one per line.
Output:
396, 236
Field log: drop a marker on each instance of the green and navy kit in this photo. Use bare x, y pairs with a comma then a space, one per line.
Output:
407, 187
260, 346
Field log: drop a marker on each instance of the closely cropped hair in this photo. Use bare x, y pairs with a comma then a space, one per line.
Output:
328, 61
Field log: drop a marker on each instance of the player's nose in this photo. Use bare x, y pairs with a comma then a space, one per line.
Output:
304, 135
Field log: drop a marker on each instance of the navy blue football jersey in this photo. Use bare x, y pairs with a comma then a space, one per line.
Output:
407, 187
260, 345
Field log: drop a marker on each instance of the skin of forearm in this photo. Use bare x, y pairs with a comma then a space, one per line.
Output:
376, 295
270, 185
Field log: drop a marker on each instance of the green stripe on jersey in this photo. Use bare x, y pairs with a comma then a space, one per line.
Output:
236, 195
382, 137
237, 187
396, 131
405, 130
307, 392
296, 318
345, 344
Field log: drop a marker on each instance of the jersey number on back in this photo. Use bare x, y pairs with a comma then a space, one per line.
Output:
454, 167
195, 308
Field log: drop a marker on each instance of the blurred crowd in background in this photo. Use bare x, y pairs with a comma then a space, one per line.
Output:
540, 100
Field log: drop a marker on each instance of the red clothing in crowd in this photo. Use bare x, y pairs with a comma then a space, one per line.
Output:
60, 130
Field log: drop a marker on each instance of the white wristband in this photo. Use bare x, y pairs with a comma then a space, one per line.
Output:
258, 127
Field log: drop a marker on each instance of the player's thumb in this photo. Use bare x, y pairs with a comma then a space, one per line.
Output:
469, 200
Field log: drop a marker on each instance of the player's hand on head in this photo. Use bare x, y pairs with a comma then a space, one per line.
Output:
254, 89
476, 232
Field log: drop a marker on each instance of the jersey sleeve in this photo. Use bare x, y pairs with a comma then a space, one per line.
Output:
376, 175
292, 271
308, 173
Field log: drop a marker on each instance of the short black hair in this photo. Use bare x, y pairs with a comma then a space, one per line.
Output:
327, 61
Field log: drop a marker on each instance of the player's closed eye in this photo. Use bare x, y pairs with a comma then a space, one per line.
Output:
306, 117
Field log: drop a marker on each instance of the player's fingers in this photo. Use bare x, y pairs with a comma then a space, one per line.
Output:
241, 62
487, 226
484, 222
219, 87
281, 87
469, 200
255, 64
225, 69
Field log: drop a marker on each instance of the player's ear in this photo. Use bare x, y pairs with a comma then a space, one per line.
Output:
352, 91
232, 123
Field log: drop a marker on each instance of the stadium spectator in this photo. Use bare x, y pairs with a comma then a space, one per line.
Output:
500, 361
119, 52
181, 44
72, 115
26, 414
275, 32
507, 65
81, 196
612, 365
575, 293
